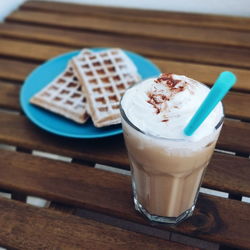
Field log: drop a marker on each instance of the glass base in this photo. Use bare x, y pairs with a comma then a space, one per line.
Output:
163, 219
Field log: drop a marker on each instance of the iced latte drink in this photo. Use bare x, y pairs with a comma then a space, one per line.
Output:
167, 166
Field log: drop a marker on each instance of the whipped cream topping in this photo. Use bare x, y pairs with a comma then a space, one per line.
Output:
164, 106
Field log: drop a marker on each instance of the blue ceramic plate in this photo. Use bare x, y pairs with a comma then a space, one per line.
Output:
57, 124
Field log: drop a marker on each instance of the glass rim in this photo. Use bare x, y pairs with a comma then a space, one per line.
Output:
124, 116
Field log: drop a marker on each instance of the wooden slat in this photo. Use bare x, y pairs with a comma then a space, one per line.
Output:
27, 227
234, 171
16, 130
203, 73
15, 70
131, 28
181, 18
9, 96
235, 136
19, 131
20, 49
236, 104
184, 51
214, 219
228, 173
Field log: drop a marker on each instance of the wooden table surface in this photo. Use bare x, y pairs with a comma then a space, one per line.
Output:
92, 208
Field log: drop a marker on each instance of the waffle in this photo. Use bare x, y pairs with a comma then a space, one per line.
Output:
64, 96
104, 77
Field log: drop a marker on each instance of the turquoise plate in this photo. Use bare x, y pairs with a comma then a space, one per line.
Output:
57, 124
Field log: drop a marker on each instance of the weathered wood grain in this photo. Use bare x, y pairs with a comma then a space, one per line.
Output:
27, 227
30, 51
178, 50
110, 193
16, 130
181, 18
235, 136
131, 28
228, 173
9, 96
199, 46
74, 40
202, 72
15, 70
235, 104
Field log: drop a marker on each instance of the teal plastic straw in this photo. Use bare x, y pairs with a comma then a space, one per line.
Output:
222, 85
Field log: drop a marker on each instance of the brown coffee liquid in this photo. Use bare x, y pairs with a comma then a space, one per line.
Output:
166, 183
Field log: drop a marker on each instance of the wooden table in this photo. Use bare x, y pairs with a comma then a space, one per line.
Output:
92, 208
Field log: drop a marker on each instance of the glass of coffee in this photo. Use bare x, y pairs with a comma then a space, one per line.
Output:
167, 167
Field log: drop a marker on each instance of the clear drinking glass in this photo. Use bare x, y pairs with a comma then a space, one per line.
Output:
166, 173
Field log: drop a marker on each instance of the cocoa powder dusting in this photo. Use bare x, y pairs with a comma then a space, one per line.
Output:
159, 100
170, 82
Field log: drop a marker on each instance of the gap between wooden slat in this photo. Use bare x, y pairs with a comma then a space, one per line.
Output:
194, 242
5, 195
51, 156
246, 199
214, 192
6, 110
224, 151
38, 202
131, 226
34, 201
113, 169
7, 147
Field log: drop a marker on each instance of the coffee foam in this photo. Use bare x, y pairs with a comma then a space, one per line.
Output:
162, 107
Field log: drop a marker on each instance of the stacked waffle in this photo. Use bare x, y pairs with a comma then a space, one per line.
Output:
91, 85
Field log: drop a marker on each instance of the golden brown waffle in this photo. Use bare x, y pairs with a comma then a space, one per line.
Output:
63, 96
104, 77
